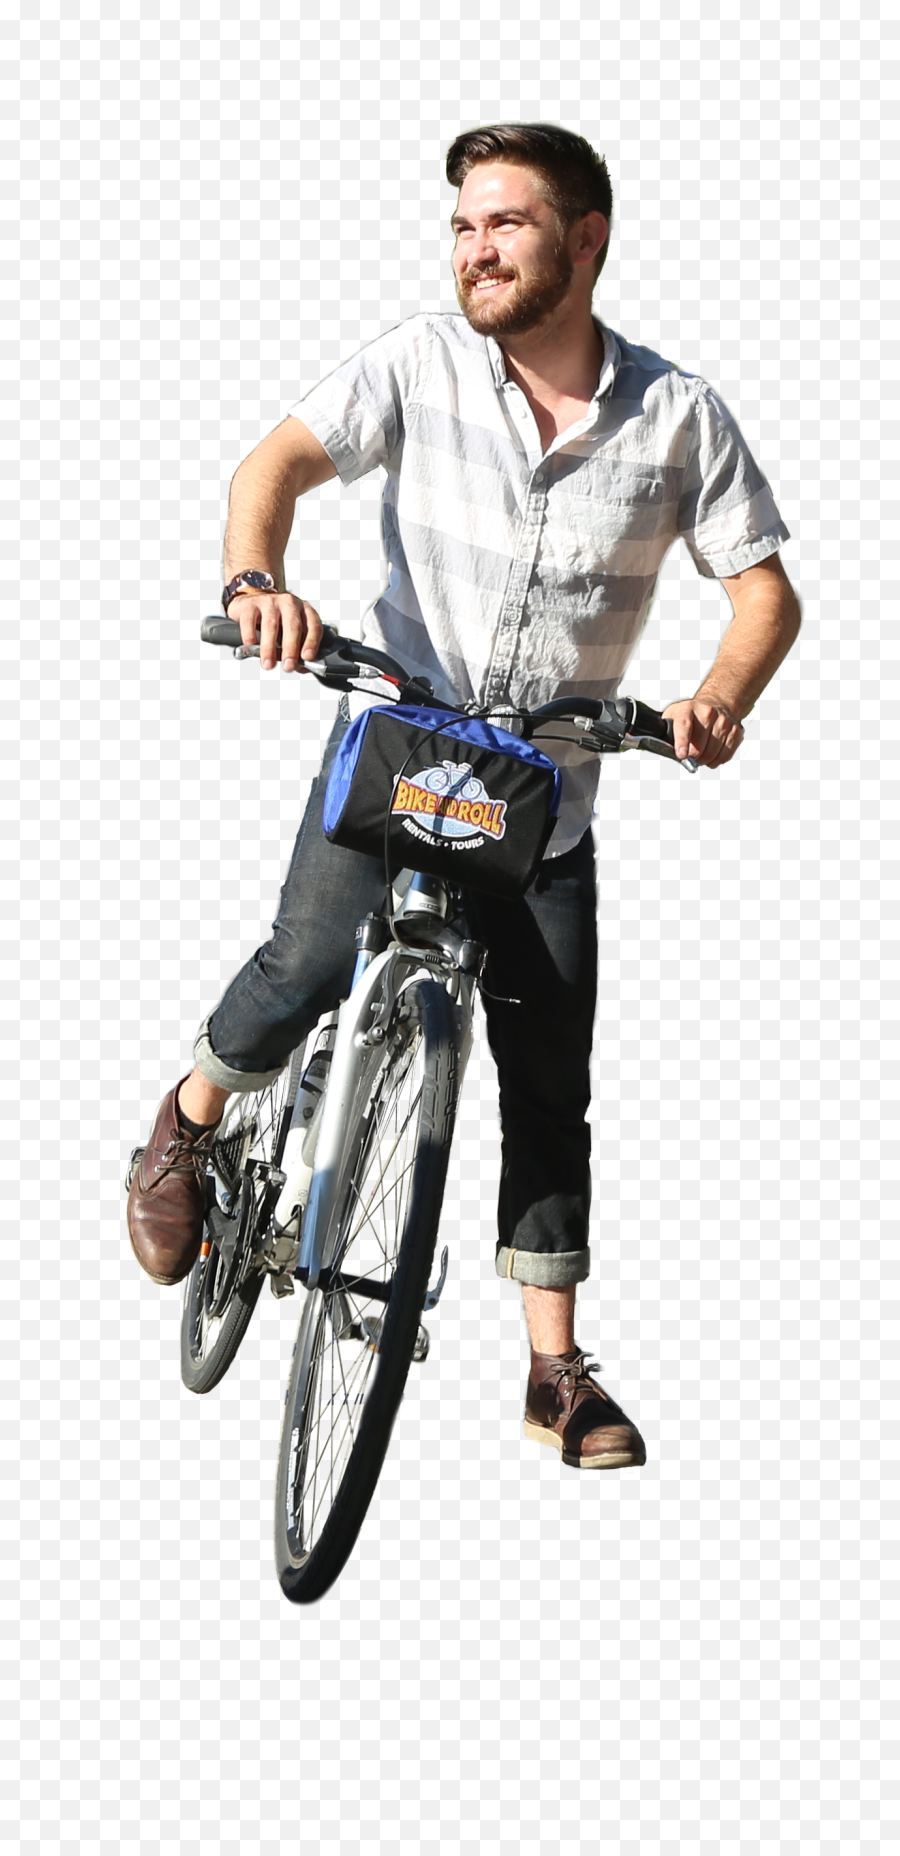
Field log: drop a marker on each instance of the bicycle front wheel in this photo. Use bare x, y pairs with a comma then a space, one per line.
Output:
358, 1337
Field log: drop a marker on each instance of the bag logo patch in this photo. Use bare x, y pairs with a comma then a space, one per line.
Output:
448, 803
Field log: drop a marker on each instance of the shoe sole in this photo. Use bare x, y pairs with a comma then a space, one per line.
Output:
613, 1459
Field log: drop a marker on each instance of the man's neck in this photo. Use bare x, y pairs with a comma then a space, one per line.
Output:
557, 365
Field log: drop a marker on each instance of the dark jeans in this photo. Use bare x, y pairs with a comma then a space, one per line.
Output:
542, 950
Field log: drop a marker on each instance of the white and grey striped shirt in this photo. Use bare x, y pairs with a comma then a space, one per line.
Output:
517, 575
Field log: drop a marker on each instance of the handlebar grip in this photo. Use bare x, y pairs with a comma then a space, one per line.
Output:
650, 722
217, 629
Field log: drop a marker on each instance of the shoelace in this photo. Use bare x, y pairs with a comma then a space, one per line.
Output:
579, 1371
182, 1156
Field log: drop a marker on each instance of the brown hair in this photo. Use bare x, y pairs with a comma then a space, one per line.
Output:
575, 177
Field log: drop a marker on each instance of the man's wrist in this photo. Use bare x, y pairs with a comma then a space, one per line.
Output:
254, 580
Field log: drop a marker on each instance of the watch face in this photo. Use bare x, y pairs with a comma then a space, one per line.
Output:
255, 578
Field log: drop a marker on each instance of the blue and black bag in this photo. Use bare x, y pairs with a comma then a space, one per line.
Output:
460, 798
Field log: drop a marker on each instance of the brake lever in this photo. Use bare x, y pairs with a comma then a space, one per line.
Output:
335, 668
610, 734
243, 651
651, 745
331, 673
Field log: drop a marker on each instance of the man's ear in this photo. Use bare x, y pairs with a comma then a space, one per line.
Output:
593, 232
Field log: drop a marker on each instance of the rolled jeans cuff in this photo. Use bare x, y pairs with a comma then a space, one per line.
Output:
237, 1082
555, 1269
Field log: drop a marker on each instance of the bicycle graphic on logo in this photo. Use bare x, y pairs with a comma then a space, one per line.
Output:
448, 801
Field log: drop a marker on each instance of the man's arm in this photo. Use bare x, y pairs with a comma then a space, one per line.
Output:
264, 492
765, 624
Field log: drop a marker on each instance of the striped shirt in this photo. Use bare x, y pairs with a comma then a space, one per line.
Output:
515, 574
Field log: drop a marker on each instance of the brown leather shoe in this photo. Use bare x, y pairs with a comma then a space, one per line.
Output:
565, 1406
167, 1196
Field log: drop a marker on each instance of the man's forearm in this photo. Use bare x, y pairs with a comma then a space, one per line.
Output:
260, 516
264, 492
765, 625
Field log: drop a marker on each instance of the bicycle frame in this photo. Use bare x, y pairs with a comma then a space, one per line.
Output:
361, 1048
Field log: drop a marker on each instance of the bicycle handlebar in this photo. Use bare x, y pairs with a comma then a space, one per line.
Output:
608, 726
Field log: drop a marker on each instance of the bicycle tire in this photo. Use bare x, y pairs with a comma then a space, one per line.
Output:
349, 1414
223, 1287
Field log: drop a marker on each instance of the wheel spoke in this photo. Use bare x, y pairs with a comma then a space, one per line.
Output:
393, 1184
361, 1362
367, 1210
329, 1446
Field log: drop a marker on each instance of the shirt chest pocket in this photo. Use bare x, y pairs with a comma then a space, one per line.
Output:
613, 525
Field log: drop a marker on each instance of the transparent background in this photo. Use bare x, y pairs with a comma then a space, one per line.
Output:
209, 207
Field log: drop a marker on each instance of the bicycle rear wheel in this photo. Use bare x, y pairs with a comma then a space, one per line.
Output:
223, 1287
359, 1335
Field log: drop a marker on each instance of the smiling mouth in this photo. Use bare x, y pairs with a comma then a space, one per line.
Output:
490, 283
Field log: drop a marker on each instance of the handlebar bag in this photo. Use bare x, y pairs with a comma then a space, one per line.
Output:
461, 799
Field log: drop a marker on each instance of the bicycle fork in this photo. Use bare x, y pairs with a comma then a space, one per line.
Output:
361, 1047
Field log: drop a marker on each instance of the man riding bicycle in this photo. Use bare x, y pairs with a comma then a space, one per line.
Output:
538, 468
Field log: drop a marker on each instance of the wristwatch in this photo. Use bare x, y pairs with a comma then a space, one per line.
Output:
252, 582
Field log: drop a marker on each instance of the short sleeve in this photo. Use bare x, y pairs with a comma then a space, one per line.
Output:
357, 413
727, 515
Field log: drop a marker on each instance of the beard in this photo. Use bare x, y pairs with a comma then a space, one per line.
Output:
533, 298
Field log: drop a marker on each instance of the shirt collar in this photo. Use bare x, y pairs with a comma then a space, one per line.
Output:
612, 357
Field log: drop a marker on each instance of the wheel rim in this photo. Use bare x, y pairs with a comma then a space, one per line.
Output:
341, 1332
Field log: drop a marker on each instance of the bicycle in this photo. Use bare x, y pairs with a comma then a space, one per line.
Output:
334, 1176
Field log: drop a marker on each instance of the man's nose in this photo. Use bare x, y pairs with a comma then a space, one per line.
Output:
483, 247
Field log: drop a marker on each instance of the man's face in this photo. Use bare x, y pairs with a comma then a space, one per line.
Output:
511, 260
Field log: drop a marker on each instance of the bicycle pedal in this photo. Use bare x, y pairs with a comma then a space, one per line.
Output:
133, 1164
282, 1285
